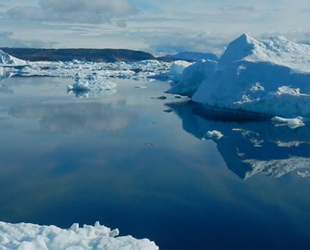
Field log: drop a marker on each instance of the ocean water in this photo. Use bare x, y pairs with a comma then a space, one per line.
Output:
141, 161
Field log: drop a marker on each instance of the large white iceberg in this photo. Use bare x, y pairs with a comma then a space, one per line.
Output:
30, 236
270, 76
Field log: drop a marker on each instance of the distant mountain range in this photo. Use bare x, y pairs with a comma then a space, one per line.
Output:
99, 55
193, 56
94, 55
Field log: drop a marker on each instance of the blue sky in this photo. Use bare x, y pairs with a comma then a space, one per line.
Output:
159, 27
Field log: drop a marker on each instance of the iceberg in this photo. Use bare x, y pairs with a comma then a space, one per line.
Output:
268, 76
32, 236
91, 85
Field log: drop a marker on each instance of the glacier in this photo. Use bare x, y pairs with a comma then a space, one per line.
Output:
31, 236
269, 77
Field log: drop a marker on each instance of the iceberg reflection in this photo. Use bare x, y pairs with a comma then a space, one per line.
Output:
248, 147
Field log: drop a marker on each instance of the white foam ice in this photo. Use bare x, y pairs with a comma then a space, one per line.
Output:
26, 236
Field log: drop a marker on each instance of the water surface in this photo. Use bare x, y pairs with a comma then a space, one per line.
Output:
144, 164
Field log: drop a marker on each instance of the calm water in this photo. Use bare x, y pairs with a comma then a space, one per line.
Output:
139, 164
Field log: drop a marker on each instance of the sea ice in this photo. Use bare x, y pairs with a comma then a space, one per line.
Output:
26, 236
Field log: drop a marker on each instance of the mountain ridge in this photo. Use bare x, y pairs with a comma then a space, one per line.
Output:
81, 54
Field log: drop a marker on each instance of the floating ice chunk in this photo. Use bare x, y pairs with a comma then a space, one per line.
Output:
31, 236
291, 123
213, 135
303, 174
91, 85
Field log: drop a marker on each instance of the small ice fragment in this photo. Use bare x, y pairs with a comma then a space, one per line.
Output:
303, 174
214, 135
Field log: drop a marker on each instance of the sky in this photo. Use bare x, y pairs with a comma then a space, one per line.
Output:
159, 27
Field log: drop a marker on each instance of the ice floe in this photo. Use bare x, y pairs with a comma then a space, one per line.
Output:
31, 236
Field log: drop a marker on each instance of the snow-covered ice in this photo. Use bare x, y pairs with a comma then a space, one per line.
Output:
269, 76
26, 236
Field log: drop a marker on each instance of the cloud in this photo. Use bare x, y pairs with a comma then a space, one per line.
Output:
75, 11
235, 8
178, 41
6, 40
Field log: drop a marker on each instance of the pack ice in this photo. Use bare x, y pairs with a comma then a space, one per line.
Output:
31, 236
270, 76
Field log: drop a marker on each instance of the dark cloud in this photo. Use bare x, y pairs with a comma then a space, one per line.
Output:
75, 11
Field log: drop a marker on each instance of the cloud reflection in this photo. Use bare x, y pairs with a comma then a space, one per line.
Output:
76, 117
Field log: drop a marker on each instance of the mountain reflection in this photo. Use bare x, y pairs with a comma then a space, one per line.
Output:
249, 147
